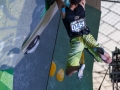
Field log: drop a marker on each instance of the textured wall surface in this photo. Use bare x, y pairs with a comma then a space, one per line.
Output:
31, 73
18, 19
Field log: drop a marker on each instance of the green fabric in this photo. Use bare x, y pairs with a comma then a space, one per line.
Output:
90, 44
77, 46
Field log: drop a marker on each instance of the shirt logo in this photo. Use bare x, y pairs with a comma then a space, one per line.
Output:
76, 17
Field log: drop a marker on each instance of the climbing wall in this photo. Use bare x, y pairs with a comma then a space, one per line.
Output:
18, 19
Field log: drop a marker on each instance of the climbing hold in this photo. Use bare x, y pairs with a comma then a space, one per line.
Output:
52, 69
60, 75
33, 45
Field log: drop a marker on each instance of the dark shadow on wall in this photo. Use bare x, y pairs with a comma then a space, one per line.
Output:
4, 67
14, 51
36, 16
38, 13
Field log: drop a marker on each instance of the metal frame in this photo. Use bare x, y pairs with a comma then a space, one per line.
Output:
114, 69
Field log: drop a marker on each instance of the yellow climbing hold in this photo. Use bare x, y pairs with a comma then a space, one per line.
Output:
82, 61
60, 75
52, 69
